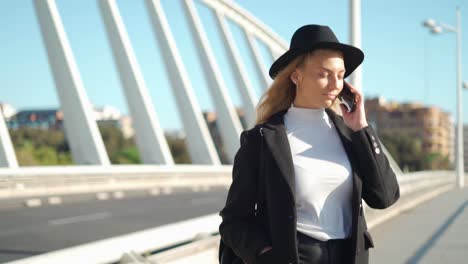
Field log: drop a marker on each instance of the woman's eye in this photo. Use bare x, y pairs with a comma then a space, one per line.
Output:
323, 74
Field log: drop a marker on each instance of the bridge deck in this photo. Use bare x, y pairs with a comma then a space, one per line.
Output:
433, 232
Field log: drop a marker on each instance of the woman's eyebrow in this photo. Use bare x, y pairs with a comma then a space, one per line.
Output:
323, 68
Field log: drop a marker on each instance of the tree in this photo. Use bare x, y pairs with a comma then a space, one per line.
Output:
405, 150
408, 153
36, 146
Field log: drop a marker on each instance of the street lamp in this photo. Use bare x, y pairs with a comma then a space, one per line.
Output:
437, 28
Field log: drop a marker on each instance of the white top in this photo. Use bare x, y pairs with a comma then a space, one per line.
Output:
323, 174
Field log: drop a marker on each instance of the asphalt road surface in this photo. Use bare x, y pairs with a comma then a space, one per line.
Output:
26, 232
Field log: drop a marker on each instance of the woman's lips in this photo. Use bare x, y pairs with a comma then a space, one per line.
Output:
330, 95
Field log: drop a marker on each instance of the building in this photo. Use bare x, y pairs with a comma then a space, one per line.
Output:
111, 116
54, 118
37, 118
433, 127
210, 119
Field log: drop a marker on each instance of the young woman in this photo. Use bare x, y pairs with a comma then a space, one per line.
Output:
317, 165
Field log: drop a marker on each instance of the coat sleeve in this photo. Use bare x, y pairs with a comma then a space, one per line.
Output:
380, 187
238, 228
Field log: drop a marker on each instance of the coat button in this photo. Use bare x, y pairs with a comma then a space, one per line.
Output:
377, 150
375, 144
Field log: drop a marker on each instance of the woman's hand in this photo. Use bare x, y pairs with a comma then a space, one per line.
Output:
265, 249
266, 256
355, 120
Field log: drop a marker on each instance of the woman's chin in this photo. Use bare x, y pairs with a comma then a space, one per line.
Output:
328, 103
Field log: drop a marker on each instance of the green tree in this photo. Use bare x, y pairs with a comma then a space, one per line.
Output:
405, 150
36, 146
178, 149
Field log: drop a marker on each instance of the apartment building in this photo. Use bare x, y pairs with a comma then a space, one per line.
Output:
431, 126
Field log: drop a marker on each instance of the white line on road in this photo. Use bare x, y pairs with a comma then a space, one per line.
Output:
79, 218
33, 202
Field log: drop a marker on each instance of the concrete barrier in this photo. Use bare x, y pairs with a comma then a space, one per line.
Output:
34, 182
178, 243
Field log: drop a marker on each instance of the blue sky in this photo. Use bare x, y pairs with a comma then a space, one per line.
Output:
403, 61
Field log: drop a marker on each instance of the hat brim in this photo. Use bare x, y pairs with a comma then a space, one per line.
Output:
352, 56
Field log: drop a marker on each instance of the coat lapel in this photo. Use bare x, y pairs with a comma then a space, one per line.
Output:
278, 143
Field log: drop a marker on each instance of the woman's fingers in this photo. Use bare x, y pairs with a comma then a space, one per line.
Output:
356, 92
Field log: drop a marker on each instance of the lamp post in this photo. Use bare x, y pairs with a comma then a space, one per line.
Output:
437, 28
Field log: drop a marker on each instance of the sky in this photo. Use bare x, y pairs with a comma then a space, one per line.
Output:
403, 61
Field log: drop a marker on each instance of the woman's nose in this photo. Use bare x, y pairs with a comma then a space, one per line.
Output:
335, 83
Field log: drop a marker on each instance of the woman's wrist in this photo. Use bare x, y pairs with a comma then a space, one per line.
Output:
361, 126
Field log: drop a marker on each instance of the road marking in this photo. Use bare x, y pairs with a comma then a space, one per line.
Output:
79, 218
55, 200
167, 190
102, 196
119, 195
33, 202
155, 191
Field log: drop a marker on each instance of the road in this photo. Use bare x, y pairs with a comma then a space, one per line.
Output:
30, 231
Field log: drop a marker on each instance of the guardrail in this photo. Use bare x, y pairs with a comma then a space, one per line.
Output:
63, 180
196, 240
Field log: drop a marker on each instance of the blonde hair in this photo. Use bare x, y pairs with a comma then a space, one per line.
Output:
281, 93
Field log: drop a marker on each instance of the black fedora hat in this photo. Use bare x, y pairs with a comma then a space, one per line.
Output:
311, 37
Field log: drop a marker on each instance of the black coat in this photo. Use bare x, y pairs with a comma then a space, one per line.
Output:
373, 180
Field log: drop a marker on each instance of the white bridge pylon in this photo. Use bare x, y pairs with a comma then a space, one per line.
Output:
149, 136
81, 128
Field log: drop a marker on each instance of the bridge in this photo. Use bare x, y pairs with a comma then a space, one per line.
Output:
159, 212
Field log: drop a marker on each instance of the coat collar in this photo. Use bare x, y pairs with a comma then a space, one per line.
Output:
278, 143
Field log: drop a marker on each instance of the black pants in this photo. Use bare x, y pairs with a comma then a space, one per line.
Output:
313, 251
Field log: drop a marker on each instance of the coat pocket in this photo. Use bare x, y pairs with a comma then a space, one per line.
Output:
368, 241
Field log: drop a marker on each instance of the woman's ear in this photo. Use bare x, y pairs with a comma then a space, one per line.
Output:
293, 76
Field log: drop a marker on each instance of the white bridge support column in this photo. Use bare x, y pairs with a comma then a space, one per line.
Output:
249, 98
81, 129
227, 120
200, 144
262, 73
275, 54
7, 152
149, 135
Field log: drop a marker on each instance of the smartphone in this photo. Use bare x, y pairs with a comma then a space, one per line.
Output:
347, 98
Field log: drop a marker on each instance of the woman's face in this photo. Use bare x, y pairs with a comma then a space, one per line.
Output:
321, 74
